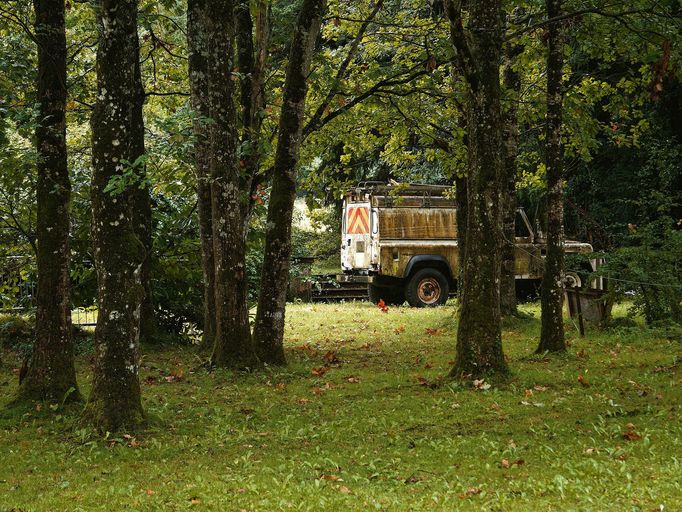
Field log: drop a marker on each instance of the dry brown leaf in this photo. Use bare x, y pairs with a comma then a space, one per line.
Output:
631, 435
319, 371
471, 491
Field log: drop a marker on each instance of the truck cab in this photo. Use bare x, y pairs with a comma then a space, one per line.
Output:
402, 240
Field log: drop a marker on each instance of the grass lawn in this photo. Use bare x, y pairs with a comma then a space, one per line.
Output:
362, 419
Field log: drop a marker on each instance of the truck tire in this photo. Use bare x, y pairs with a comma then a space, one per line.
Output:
427, 288
391, 295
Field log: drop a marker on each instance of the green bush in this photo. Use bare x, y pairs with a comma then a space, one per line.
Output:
16, 331
649, 271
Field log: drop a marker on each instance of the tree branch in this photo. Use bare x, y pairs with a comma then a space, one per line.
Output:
341, 73
458, 37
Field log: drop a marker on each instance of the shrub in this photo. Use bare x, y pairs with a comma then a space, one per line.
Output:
16, 331
649, 271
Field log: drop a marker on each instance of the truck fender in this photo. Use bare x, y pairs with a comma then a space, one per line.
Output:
428, 258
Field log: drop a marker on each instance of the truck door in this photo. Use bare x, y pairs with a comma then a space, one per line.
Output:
357, 239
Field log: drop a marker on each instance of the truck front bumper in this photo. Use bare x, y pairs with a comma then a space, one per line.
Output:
354, 278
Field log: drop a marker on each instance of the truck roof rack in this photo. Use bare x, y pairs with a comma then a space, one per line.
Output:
399, 189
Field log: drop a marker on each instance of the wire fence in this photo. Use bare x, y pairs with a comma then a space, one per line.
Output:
18, 292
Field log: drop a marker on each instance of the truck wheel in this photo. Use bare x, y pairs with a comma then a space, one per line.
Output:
392, 295
427, 288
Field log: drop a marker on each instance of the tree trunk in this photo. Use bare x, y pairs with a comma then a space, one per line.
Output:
512, 83
115, 401
479, 340
142, 209
233, 345
552, 330
51, 373
251, 61
269, 328
198, 70
461, 202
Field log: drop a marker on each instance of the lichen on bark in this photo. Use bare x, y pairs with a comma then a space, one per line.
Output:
269, 326
552, 337
479, 341
115, 401
51, 372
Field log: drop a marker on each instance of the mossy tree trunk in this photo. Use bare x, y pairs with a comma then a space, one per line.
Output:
552, 330
142, 209
198, 79
512, 84
115, 401
461, 203
479, 341
51, 372
269, 327
233, 345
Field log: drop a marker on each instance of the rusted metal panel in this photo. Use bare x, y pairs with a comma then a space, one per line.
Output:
396, 255
417, 223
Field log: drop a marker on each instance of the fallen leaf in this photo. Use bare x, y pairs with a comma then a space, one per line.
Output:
433, 332
481, 384
302, 401
631, 435
399, 330
471, 491
504, 463
331, 358
583, 381
528, 392
195, 501
150, 492
319, 371
331, 478
344, 490
382, 306
353, 380
540, 388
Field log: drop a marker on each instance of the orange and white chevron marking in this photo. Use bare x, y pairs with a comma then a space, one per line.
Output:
357, 221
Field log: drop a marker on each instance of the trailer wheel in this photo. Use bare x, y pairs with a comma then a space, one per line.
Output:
427, 288
391, 295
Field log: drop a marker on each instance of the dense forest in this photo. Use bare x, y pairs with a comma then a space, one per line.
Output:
151, 154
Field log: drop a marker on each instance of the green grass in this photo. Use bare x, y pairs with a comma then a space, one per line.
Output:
380, 430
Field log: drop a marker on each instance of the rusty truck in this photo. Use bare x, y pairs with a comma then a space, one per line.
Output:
402, 240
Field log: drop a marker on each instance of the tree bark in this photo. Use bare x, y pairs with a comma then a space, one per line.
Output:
552, 331
251, 61
142, 208
233, 345
198, 71
479, 340
269, 328
512, 83
51, 372
461, 204
115, 401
